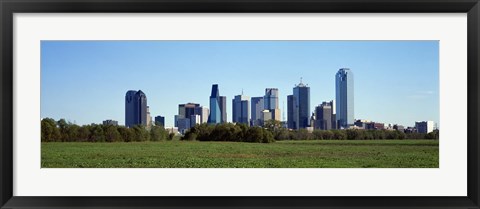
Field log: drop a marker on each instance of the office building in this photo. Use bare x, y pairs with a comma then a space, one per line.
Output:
110, 122
270, 102
160, 121
218, 107
344, 98
241, 109
266, 116
194, 120
183, 125
271, 99
149, 117
291, 124
300, 106
203, 112
324, 114
424, 126
223, 109
135, 108
257, 108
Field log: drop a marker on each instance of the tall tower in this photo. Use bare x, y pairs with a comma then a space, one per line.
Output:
298, 106
257, 108
344, 98
270, 101
218, 107
324, 114
135, 108
240, 109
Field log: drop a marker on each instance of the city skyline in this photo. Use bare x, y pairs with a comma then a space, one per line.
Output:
416, 87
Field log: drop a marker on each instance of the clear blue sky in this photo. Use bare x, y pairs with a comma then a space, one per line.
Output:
86, 81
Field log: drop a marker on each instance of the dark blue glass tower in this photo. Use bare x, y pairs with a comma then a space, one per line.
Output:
217, 107
135, 108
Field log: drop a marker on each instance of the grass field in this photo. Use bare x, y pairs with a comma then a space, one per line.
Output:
281, 154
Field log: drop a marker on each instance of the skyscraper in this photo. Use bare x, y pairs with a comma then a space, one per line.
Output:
160, 121
344, 98
135, 108
290, 118
218, 107
223, 109
270, 101
240, 109
300, 106
257, 108
323, 113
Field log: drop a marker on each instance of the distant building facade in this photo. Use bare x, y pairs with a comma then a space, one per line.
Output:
270, 102
218, 107
160, 121
344, 98
291, 124
135, 108
257, 108
110, 122
241, 109
189, 115
300, 108
424, 126
324, 114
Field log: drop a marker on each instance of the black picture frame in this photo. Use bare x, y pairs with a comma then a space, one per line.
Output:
9, 7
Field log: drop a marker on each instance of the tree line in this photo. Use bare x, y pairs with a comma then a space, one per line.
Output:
63, 131
273, 130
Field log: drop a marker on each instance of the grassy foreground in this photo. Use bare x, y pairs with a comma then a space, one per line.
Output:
281, 154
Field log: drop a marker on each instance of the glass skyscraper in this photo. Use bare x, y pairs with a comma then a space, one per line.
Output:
299, 107
344, 98
240, 109
271, 99
218, 107
257, 108
135, 108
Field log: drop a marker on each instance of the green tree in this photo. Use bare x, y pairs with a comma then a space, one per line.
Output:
49, 130
112, 134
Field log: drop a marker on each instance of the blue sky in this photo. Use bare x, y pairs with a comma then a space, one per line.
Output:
86, 81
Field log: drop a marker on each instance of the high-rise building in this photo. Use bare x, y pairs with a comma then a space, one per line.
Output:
344, 98
324, 114
203, 112
194, 120
270, 102
334, 114
271, 99
149, 117
135, 108
223, 108
291, 124
218, 107
185, 110
424, 126
240, 109
160, 121
300, 106
257, 108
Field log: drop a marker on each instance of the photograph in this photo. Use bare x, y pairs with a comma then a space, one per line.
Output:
239, 104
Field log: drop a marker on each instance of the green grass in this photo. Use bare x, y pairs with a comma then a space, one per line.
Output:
281, 154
